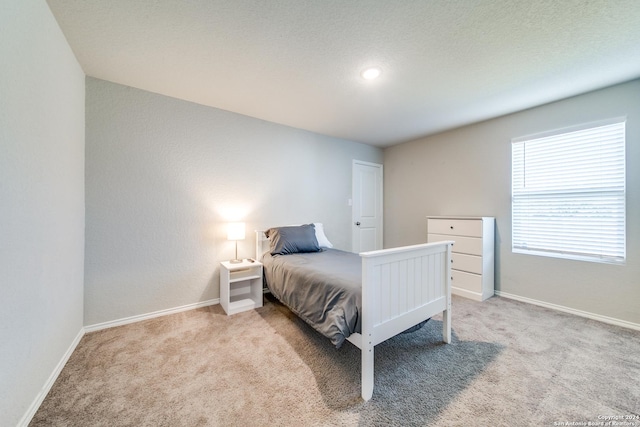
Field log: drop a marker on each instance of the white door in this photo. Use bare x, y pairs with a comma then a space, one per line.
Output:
367, 206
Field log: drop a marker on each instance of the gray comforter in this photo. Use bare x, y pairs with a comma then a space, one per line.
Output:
323, 288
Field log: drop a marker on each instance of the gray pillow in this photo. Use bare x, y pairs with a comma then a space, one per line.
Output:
293, 239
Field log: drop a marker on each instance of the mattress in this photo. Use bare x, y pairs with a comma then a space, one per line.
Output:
323, 288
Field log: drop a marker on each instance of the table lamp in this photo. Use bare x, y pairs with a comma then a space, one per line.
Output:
235, 231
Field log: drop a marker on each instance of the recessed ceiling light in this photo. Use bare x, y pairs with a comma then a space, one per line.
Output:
371, 73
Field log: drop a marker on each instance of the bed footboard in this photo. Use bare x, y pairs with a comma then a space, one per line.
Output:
401, 287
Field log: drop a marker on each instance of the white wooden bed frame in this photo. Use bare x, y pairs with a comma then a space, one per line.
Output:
401, 287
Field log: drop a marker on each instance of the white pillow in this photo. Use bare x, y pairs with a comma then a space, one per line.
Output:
323, 242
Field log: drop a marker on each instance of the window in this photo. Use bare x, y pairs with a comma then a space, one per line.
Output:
568, 193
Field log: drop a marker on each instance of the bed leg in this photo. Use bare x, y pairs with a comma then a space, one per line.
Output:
446, 314
367, 369
446, 325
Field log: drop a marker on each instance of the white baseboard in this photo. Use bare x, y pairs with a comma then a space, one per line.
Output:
141, 317
588, 315
26, 418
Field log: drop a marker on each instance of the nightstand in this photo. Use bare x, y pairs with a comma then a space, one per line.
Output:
240, 286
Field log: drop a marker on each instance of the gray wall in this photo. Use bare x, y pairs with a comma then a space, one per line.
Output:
163, 177
41, 203
467, 171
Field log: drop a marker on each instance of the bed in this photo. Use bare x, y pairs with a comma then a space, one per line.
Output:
363, 298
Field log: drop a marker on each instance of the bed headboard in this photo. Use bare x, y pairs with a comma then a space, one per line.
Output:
262, 244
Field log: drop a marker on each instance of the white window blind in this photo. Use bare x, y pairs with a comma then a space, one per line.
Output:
568, 193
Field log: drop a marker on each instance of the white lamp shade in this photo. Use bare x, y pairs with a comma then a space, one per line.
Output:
235, 231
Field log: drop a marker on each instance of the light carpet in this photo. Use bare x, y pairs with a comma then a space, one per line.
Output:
509, 363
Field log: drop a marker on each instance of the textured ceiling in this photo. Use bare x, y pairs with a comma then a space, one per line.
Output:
445, 63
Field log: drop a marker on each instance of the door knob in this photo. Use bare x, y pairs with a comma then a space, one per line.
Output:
358, 223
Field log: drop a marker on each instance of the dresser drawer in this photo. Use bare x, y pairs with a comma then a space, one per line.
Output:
456, 227
468, 263
469, 281
465, 245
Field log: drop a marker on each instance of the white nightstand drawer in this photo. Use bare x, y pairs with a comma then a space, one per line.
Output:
465, 245
252, 272
468, 281
468, 263
456, 227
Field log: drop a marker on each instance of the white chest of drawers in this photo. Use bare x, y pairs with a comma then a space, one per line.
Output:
472, 255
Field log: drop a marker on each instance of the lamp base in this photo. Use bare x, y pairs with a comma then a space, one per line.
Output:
236, 260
